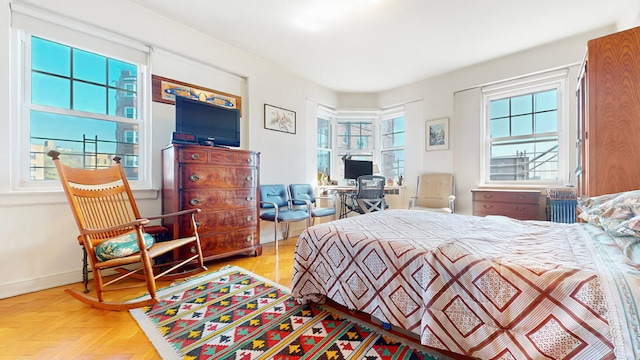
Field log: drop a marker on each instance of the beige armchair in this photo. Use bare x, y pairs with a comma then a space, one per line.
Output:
434, 192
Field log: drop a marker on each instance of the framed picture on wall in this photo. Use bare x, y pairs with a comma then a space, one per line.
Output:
279, 119
437, 134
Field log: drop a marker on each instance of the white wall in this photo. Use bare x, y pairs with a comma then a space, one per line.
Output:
39, 248
437, 94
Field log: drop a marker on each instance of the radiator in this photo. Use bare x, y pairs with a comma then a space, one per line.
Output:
561, 204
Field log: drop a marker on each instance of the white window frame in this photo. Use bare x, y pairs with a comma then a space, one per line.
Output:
557, 79
32, 22
365, 115
389, 114
327, 114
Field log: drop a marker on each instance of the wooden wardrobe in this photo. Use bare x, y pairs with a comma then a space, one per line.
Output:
609, 115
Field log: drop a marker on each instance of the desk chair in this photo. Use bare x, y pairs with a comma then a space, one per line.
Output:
277, 207
112, 233
303, 194
369, 196
434, 192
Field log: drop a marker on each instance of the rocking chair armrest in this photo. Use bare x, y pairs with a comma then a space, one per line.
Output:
174, 214
134, 223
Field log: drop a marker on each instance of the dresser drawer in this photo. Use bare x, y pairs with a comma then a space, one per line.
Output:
217, 199
507, 196
517, 204
237, 158
516, 211
206, 177
216, 245
223, 221
192, 154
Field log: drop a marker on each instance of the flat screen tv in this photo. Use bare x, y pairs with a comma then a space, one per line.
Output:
213, 124
355, 168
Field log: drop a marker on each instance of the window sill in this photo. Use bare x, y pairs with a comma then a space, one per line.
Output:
50, 197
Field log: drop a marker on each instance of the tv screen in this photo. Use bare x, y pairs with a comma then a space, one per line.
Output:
354, 168
208, 122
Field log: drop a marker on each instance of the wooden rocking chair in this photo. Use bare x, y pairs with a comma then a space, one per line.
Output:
113, 234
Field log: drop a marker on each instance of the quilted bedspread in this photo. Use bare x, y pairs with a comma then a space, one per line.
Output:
489, 287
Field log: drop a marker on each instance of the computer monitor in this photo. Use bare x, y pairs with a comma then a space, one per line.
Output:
355, 168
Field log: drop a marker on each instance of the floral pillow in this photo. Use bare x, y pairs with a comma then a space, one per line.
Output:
611, 210
121, 246
629, 227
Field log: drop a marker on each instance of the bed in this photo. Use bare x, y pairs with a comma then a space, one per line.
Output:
484, 287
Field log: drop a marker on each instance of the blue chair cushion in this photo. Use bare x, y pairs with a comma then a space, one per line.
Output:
319, 212
301, 192
121, 246
274, 194
285, 215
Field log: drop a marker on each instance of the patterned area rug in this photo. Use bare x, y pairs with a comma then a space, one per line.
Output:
234, 314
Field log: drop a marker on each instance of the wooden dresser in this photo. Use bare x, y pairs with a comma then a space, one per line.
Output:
517, 204
608, 115
223, 183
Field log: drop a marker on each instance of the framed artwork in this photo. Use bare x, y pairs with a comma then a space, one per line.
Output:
279, 119
165, 90
437, 134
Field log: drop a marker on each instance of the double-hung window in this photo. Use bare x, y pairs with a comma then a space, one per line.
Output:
524, 141
392, 144
354, 138
82, 97
325, 117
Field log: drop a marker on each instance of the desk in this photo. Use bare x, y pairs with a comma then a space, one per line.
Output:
343, 193
394, 196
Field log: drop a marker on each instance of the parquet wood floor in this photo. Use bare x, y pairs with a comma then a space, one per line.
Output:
50, 324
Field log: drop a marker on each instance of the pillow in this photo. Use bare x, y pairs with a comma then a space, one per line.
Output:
630, 247
632, 250
629, 227
121, 246
609, 211
590, 207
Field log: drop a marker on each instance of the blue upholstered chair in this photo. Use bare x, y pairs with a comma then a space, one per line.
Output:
303, 194
277, 206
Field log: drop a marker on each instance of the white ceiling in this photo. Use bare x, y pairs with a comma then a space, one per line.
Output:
375, 45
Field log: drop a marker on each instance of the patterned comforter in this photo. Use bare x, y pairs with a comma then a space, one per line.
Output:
489, 287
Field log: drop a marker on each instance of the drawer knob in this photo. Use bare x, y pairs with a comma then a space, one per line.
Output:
197, 224
249, 238
194, 201
195, 157
249, 198
249, 218
488, 206
249, 178
194, 177
193, 249
487, 196
249, 160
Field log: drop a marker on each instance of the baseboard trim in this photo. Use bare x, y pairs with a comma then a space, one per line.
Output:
43, 283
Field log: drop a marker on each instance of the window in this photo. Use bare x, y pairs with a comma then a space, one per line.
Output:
324, 145
523, 134
77, 105
354, 134
82, 97
131, 137
392, 149
355, 139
